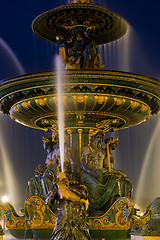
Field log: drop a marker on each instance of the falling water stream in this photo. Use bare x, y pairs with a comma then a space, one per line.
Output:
59, 70
148, 181
127, 54
116, 54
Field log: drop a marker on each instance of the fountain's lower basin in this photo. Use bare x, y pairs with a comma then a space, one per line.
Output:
39, 220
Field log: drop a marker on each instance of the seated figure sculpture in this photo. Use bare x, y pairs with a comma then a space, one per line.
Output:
53, 161
44, 175
104, 184
34, 187
50, 145
44, 181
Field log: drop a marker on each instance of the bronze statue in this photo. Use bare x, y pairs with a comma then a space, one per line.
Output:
71, 219
79, 50
53, 155
1, 231
70, 196
35, 187
68, 156
111, 144
44, 175
104, 184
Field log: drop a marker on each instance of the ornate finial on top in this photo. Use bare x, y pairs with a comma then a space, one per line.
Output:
55, 136
45, 139
79, 1
96, 132
112, 140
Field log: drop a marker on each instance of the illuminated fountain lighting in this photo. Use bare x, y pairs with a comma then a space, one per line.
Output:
5, 198
9, 183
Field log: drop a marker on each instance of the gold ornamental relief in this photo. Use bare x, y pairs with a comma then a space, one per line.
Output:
115, 121
134, 104
26, 105
80, 118
38, 219
12, 116
101, 99
88, 19
16, 108
144, 108
41, 102
148, 114
80, 99
104, 124
119, 101
98, 224
79, 1
69, 131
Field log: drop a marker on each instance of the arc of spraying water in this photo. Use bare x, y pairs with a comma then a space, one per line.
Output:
145, 166
12, 55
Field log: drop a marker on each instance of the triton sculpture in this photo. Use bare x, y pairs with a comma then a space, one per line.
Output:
96, 100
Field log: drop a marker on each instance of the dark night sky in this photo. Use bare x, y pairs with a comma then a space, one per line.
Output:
24, 145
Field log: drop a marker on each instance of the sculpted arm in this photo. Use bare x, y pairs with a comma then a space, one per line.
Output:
86, 159
105, 160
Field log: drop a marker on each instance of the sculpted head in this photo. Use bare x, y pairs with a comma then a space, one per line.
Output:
112, 141
61, 176
39, 170
97, 139
55, 137
48, 144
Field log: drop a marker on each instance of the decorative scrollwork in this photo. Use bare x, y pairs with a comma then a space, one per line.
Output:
40, 214
114, 218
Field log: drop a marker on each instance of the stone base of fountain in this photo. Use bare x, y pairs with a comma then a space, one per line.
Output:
134, 237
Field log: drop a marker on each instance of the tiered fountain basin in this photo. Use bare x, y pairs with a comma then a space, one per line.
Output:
93, 99
62, 21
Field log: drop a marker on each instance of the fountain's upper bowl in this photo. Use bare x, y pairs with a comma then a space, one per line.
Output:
61, 22
92, 98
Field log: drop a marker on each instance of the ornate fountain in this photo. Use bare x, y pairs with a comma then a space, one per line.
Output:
95, 99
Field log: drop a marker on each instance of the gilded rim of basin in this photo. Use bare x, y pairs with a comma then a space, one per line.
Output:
96, 98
